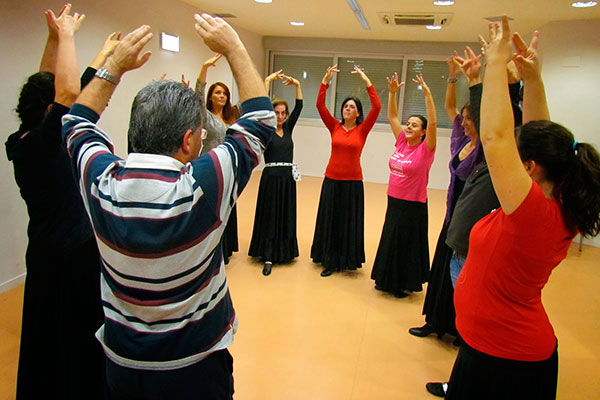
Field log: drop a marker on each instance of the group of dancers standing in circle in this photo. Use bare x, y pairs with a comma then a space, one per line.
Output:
514, 204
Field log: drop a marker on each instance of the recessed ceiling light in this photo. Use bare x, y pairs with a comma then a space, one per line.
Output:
584, 4
264, 1
443, 2
434, 27
297, 23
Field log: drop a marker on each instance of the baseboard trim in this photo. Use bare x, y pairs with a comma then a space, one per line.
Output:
12, 283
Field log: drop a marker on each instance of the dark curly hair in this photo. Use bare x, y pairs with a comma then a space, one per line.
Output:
573, 168
36, 95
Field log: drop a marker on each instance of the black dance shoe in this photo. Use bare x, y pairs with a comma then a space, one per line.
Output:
326, 272
267, 268
437, 388
422, 331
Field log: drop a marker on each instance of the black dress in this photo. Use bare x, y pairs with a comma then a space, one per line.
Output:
59, 353
274, 234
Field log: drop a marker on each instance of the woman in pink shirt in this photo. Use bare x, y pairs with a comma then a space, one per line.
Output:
402, 261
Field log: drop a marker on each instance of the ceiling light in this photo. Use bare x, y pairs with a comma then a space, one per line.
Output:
434, 27
443, 2
584, 4
359, 15
297, 23
264, 1
169, 42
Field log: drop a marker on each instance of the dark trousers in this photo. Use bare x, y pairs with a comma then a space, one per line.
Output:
209, 379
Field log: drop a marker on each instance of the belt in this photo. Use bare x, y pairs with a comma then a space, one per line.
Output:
295, 172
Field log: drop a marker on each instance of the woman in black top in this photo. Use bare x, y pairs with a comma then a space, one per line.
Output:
274, 234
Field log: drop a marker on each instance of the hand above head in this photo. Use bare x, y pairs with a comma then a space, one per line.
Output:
289, 81
64, 22
512, 72
470, 65
213, 60
275, 75
393, 84
362, 74
526, 57
419, 80
111, 43
498, 50
186, 83
329, 73
126, 56
453, 67
217, 34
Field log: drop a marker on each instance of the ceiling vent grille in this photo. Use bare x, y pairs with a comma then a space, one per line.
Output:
414, 19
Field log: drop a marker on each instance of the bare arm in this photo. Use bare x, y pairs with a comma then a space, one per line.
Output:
470, 65
271, 77
450, 100
107, 49
511, 181
48, 63
207, 64
219, 36
431, 137
392, 111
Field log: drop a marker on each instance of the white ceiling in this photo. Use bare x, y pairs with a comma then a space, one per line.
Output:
335, 19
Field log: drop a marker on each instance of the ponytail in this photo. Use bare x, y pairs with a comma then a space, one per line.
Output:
572, 167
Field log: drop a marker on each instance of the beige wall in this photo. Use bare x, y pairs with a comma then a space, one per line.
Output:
22, 25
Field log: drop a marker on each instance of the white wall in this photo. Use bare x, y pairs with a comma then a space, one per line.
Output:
571, 55
22, 24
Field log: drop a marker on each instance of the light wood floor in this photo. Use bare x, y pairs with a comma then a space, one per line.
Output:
306, 337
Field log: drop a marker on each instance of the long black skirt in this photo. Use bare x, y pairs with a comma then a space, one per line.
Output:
274, 233
439, 299
477, 375
402, 261
230, 235
339, 240
59, 354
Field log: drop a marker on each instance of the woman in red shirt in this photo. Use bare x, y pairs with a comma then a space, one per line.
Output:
548, 186
338, 243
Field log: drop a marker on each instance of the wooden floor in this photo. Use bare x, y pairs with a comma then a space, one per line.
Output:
306, 337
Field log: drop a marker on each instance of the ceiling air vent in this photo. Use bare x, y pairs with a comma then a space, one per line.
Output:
414, 19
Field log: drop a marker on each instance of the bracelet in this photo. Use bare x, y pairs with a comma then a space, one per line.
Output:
102, 73
452, 80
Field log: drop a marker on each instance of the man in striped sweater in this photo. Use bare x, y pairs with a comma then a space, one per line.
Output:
158, 217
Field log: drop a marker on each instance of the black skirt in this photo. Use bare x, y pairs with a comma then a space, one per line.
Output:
477, 375
274, 233
230, 235
59, 353
439, 300
339, 240
402, 261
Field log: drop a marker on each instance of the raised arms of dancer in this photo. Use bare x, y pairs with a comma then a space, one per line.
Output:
66, 74
431, 136
511, 181
107, 49
289, 81
270, 78
450, 100
371, 118
328, 119
392, 111
48, 62
527, 63
207, 64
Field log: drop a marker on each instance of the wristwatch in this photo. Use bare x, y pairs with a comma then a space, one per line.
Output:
102, 73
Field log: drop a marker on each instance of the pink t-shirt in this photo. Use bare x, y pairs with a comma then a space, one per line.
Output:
409, 170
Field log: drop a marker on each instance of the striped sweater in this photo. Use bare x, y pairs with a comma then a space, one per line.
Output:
159, 224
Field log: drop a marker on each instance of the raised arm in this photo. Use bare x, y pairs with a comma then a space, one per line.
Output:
328, 119
527, 63
431, 134
450, 100
220, 37
48, 63
295, 114
470, 66
66, 79
371, 118
511, 181
290, 81
271, 77
108, 48
207, 64
392, 110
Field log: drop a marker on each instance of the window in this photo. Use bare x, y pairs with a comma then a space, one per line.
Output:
309, 70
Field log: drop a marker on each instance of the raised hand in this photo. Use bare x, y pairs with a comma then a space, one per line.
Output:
362, 74
512, 72
498, 50
126, 56
526, 57
275, 75
453, 67
217, 34
470, 65
186, 83
213, 60
289, 81
329, 73
393, 84
111, 43
419, 80
64, 22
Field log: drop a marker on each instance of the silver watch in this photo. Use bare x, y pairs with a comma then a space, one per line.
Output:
102, 73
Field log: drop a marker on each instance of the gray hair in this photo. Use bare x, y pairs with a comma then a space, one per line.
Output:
161, 113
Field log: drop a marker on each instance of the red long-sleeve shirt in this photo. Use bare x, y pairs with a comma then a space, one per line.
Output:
347, 146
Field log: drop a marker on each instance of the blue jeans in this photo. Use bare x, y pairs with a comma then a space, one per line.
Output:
457, 262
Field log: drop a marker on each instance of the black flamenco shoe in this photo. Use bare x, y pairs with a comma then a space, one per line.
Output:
438, 389
326, 272
400, 295
422, 331
267, 268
